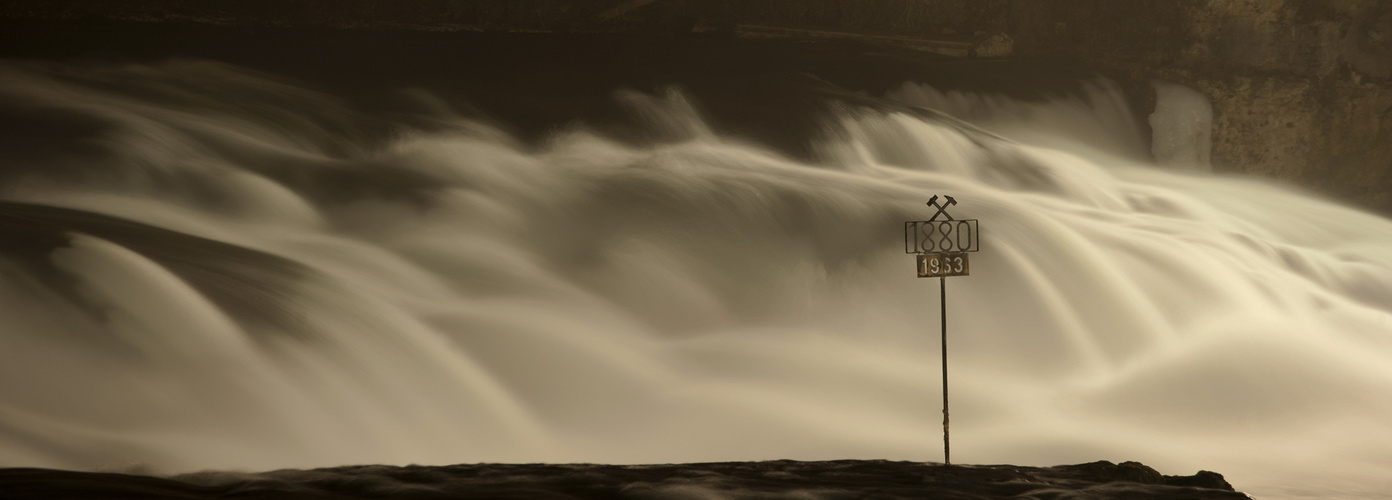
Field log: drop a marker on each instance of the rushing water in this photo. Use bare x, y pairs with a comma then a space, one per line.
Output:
208, 267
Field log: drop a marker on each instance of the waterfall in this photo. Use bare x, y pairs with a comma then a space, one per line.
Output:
204, 266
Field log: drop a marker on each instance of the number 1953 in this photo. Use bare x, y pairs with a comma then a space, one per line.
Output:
943, 264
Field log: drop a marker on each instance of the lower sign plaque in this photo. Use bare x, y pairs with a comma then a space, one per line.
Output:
937, 265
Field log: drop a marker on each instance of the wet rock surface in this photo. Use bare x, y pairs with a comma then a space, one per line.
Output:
840, 479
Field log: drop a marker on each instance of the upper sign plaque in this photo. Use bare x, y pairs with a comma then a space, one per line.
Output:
941, 236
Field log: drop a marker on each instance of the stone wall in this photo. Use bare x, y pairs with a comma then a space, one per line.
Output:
1302, 89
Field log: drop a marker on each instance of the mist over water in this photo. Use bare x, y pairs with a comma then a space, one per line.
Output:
208, 267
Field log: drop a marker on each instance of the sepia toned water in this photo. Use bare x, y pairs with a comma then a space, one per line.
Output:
207, 267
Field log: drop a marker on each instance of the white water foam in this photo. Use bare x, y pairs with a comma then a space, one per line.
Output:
697, 300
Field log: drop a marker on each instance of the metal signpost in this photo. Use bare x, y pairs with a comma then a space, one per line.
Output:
942, 247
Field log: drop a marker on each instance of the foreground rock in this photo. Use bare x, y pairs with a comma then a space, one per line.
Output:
842, 479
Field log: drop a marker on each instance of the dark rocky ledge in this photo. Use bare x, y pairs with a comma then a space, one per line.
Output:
841, 479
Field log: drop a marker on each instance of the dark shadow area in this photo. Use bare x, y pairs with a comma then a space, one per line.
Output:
769, 90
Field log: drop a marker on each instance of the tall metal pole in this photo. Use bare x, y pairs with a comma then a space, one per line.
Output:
942, 289
919, 238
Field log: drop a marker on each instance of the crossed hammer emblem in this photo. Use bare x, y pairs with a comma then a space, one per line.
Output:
942, 209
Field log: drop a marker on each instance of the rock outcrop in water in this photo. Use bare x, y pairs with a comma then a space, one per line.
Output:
841, 479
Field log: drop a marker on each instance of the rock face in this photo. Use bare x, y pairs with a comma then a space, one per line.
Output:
842, 479
1301, 89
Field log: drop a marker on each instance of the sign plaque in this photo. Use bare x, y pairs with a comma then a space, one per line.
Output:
940, 265
946, 236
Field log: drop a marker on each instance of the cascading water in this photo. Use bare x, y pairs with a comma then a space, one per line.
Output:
208, 267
